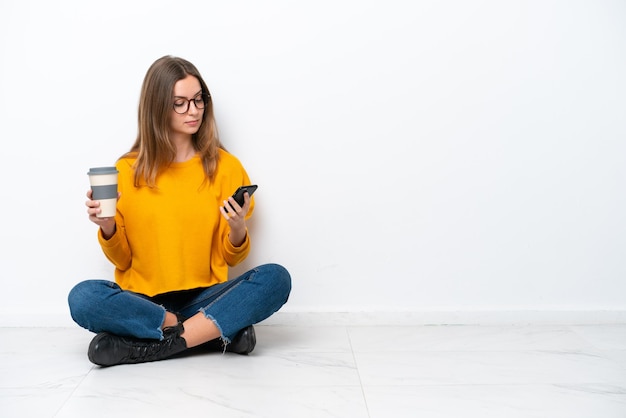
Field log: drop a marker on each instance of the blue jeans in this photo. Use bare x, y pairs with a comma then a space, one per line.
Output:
102, 306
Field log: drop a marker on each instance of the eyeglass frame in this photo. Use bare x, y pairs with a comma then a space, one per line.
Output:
205, 99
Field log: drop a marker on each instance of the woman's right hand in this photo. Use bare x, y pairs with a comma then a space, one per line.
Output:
106, 224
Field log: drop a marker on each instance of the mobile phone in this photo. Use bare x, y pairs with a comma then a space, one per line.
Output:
238, 195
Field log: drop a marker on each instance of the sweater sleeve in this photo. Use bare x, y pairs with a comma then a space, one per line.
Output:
116, 249
235, 255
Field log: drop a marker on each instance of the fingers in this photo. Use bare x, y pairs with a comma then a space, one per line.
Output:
93, 210
93, 207
232, 208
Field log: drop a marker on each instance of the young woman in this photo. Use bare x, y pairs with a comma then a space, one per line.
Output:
174, 235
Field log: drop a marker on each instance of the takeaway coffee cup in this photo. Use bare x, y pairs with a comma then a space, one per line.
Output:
104, 187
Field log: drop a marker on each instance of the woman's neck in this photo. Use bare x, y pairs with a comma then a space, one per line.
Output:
184, 149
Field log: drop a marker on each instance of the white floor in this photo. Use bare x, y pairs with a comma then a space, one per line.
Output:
377, 372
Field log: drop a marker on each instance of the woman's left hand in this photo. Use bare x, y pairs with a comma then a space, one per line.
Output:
236, 217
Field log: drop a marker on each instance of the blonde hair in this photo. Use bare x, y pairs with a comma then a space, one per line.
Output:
152, 148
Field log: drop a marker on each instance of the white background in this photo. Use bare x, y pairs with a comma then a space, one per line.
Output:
410, 155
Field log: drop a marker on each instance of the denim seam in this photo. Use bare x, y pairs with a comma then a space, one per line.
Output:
209, 316
228, 291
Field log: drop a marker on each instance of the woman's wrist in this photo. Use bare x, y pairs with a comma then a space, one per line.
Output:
237, 237
107, 233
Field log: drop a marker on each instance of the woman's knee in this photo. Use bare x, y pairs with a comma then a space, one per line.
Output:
85, 295
278, 279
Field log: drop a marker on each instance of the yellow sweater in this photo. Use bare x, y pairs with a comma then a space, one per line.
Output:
173, 237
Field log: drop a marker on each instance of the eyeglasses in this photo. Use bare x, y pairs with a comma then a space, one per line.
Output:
181, 105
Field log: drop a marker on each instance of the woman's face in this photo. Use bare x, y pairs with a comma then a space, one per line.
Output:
187, 92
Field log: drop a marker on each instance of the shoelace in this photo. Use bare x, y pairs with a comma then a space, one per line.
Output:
151, 349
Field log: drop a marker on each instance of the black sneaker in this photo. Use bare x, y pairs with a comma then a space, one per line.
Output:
243, 343
109, 350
